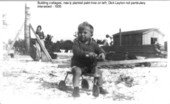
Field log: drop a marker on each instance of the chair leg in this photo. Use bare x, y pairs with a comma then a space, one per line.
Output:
96, 81
96, 90
82, 77
65, 77
84, 83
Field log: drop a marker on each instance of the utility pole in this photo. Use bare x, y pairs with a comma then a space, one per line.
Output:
26, 29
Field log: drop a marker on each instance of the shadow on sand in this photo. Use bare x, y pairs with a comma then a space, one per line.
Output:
69, 89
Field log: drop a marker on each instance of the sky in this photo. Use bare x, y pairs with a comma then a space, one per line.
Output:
62, 22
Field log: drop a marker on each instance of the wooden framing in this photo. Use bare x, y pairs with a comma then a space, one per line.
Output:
11, 46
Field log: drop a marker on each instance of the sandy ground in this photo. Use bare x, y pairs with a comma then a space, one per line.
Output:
24, 81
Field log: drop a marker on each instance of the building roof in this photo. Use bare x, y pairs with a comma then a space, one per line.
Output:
138, 31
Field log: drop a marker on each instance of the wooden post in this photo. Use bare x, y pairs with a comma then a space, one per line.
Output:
120, 37
26, 29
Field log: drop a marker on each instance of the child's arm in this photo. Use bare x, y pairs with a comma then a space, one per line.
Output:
99, 51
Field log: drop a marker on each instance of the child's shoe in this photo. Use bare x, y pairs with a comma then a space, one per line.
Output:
103, 91
76, 92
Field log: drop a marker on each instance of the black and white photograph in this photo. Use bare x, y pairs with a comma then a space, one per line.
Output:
79, 52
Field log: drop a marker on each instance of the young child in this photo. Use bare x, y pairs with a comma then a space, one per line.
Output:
84, 60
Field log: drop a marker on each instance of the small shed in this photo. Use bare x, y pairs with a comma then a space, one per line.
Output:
138, 37
137, 42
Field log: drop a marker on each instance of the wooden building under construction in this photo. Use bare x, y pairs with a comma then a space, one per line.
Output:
137, 42
138, 37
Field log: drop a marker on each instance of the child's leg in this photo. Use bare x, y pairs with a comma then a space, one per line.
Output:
76, 79
76, 75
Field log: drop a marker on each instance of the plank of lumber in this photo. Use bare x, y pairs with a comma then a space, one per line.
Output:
123, 62
130, 61
43, 48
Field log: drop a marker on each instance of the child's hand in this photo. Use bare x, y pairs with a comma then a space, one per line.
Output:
91, 54
102, 55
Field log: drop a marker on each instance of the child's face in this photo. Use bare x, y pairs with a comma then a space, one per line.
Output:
85, 34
